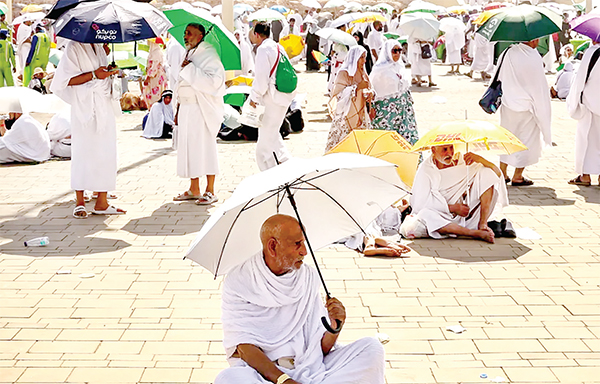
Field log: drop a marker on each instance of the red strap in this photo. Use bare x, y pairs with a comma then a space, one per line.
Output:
275, 66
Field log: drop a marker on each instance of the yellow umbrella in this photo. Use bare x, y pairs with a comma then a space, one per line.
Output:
485, 15
293, 45
32, 8
369, 18
471, 136
385, 145
240, 80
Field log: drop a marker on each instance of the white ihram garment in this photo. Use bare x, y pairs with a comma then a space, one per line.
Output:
564, 80
434, 189
525, 109
93, 123
281, 315
419, 66
174, 55
483, 55
276, 105
200, 92
455, 41
587, 138
59, 131
26, 141
23, 33
160, 113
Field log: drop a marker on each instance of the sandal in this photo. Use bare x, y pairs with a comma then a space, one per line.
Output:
432, 85
207, 199
111, 210
578, 181
187, 195
80, 212
523, 183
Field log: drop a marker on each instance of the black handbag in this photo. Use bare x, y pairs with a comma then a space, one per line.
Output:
492, 98
426, 51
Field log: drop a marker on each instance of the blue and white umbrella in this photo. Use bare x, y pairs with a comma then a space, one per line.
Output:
280, 9
111, 21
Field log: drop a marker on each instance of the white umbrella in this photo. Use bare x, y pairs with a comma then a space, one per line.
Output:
424, 7
244, 7
337, 36
26, 100
335, 4
311, 4
202, 4
333, 197
354, 6
421, 26
216, 10
182, 5
266, 14
449, 24
32, 16
346, 19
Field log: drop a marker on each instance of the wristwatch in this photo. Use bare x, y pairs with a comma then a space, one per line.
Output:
281, 379
94, 75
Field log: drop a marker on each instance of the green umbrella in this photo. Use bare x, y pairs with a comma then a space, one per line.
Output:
521, 23
236, 95
216, 34
3, 9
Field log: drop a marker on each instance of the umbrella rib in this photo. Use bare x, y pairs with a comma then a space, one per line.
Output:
227, 237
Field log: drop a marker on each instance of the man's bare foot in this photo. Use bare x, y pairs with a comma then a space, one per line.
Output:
485, 235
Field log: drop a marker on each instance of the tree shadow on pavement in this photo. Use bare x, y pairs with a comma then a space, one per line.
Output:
590, 194
469, 250
68, 236
171, 219
535, 196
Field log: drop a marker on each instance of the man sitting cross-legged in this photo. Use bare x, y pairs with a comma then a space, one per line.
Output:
272, 320
456, 196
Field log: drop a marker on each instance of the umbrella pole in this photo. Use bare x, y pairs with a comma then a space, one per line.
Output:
295, 208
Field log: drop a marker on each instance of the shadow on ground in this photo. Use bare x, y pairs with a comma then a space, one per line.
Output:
171, 219
68, 236
536, 196
470, 251
590, 194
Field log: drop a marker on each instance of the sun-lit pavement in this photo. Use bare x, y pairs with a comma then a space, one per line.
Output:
531, 307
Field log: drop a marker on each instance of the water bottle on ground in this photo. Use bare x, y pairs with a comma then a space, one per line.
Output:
37, 242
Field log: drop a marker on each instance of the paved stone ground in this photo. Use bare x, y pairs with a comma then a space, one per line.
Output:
531, 308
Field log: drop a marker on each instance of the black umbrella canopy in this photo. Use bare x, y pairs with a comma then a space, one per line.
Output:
62, 6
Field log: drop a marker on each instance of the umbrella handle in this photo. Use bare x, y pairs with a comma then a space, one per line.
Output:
328, 327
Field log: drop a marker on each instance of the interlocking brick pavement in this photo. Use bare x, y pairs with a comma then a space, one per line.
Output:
530, 307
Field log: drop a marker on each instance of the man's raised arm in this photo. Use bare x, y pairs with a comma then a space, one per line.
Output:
256, 358
471, 158
336, 311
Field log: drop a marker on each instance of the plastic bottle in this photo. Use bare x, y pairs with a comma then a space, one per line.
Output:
37, 242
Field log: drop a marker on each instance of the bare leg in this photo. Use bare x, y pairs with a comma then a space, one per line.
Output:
518, 176
486, 207
195, 186
102, 202
431, 83
80, 198
455, 229
210, 184
504, 169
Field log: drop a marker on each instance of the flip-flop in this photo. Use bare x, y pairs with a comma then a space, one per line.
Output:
524, 183
187, 195
111, 210
578, 181
80, 209
207, 199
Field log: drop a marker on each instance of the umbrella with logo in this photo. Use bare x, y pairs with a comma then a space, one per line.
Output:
384, 145
521, 23
62, 6
332, 197
111, 21
216, 34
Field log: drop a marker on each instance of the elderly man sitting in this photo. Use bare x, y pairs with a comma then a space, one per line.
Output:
272, 320
456, 196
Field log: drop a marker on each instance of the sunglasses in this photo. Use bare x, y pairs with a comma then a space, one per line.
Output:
396, 50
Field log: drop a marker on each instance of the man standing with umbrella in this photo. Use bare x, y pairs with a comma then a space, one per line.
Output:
272, 320
265, 93
525, 109
82, 79
199, 114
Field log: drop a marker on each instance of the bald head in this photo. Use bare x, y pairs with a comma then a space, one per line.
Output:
283, 244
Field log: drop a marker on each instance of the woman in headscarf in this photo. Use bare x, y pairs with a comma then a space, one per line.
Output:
360, 39
351, 93
393, 104
158, 123
155, 81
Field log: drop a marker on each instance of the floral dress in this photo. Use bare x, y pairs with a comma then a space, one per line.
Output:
397, 113
156, 77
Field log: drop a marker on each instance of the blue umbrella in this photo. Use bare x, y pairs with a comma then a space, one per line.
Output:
111, 21
243, 8
280, 8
